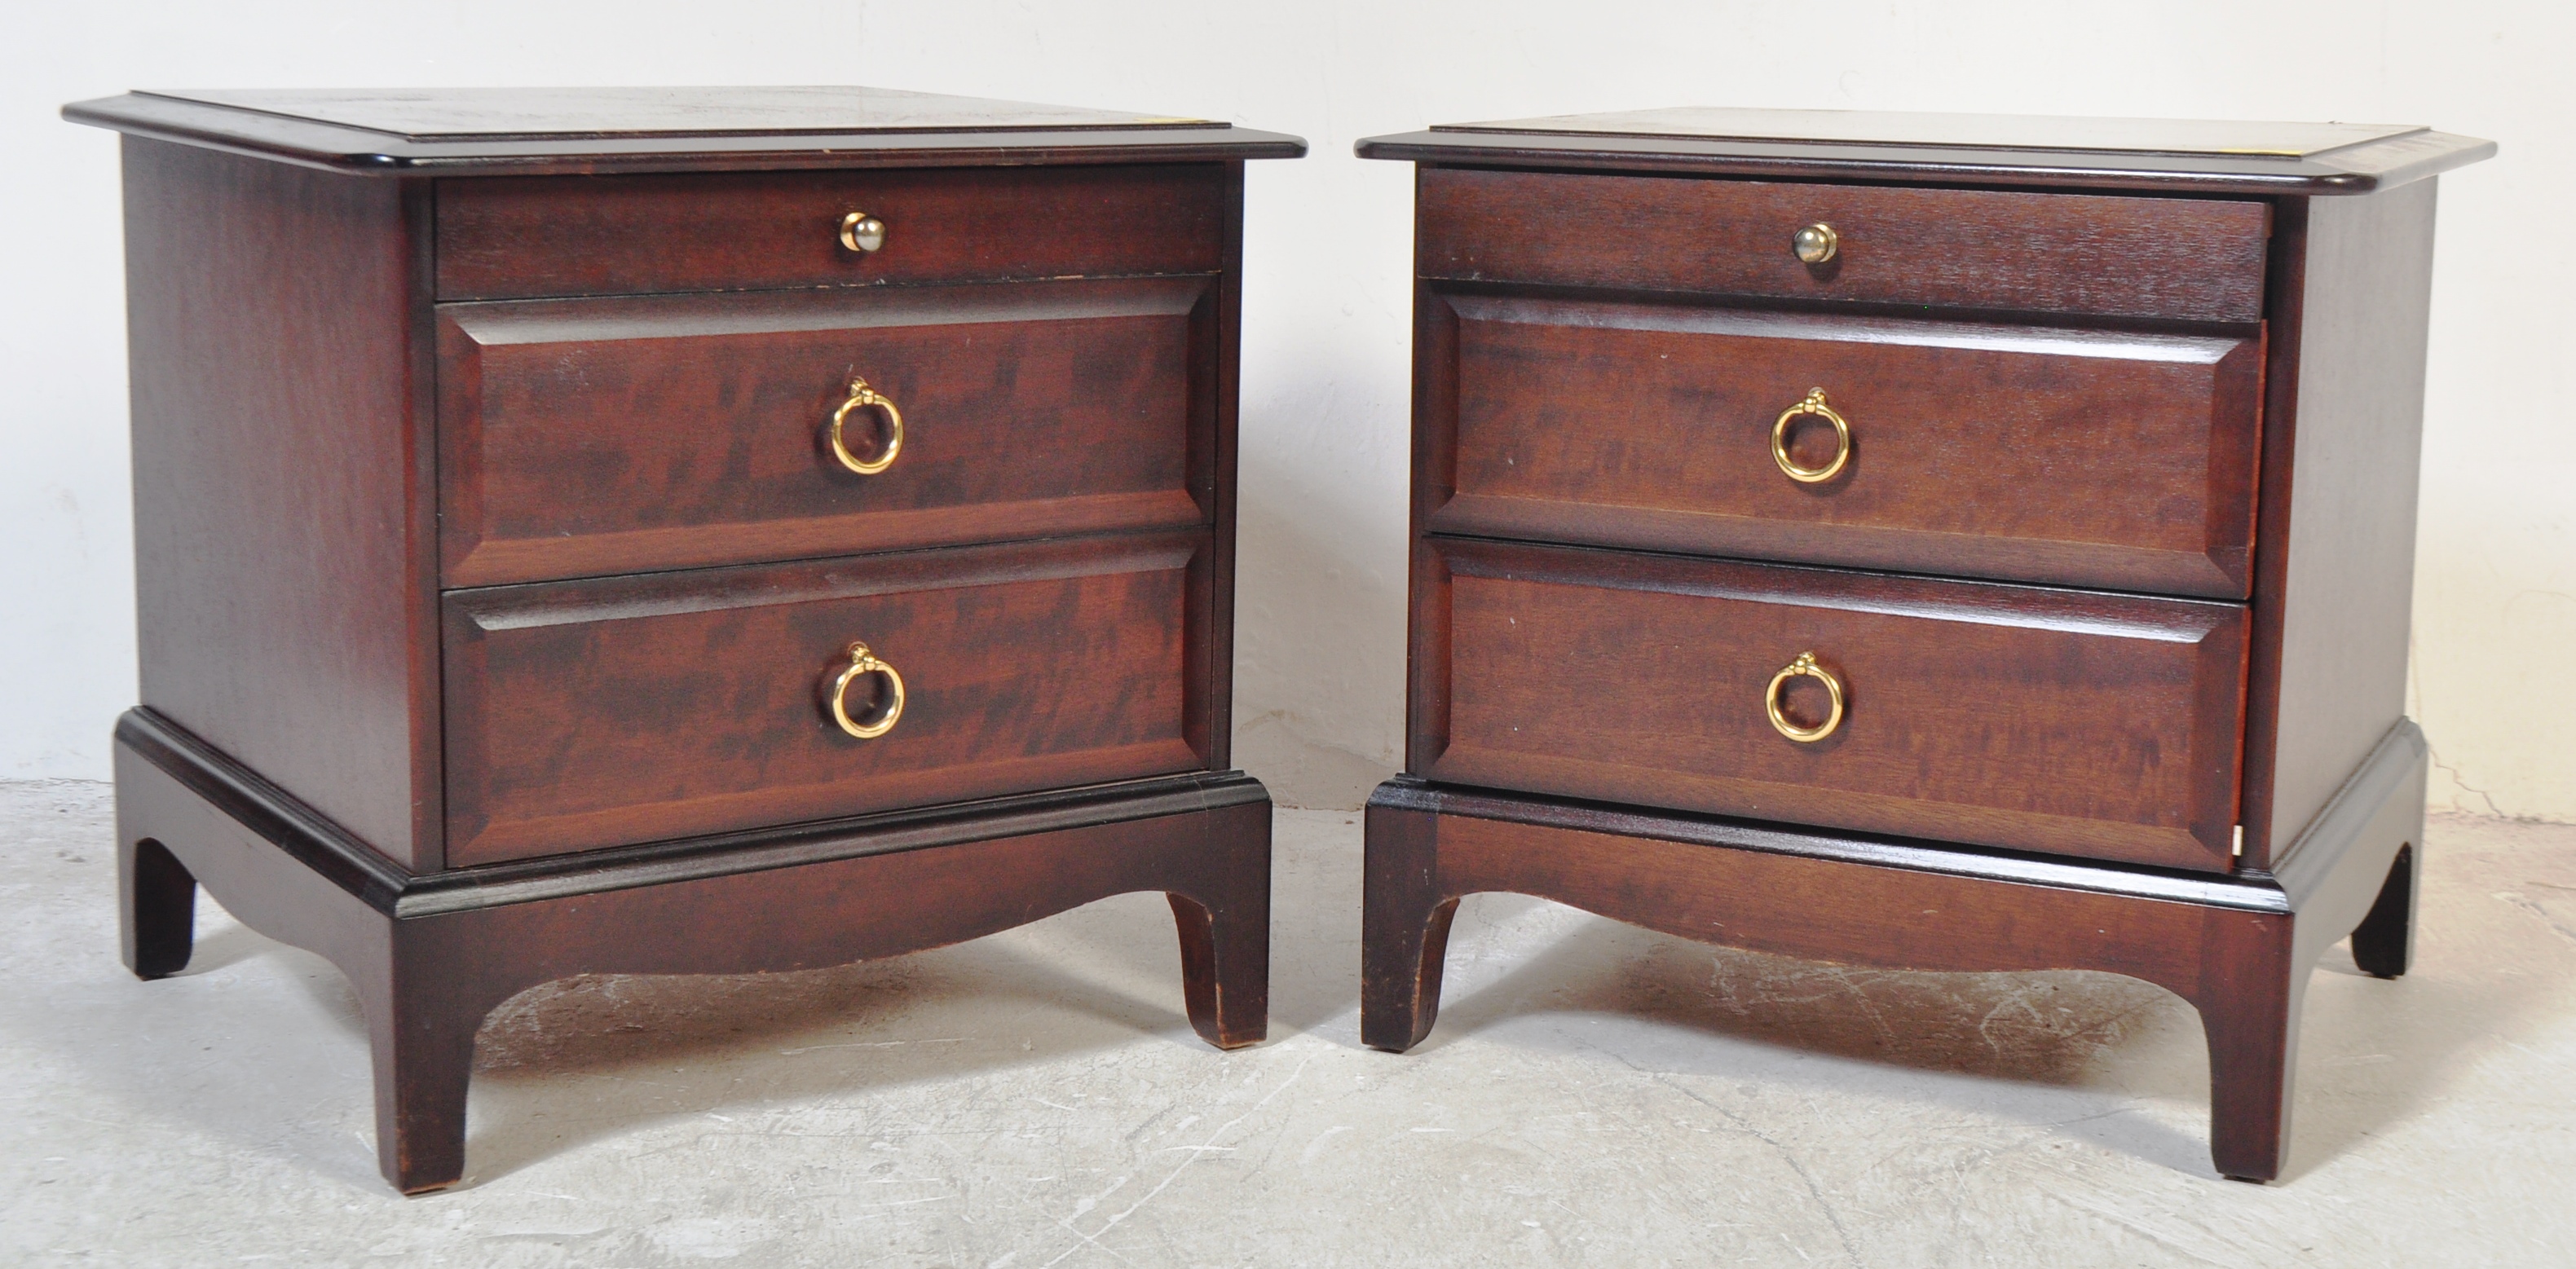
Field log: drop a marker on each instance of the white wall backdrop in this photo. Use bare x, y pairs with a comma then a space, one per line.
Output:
1324, 398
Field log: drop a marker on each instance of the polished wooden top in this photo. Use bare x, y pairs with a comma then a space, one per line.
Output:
426, 114
475, 131
1984, 132
2212, 154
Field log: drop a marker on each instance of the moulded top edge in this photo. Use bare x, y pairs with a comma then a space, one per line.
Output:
2392, 160
930, 134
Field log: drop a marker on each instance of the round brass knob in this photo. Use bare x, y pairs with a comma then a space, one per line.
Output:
1804, 667
863, 397
1816, 243
1815, 405
862, 232
862, 664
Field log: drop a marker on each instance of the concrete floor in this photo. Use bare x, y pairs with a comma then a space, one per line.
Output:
1594, 1095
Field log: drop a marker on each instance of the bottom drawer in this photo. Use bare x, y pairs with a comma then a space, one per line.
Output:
2070, 722
612, 711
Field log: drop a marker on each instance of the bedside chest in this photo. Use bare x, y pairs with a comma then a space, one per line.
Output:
677, 531
1935, 542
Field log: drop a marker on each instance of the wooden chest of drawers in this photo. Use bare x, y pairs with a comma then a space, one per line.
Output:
677, 531
1931, 542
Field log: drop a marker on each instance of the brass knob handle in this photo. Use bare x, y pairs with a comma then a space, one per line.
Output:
864, 663
1805, 666
1816, 243
862, 232
1815, 405
863, 397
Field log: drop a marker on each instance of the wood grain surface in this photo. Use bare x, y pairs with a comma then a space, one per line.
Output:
2110, 256
283, 460
2352, 170
1216, 380
2240, 949
519, 112
514, 238
2335, 586
597, 713
2074, 723
585, 437
2086, 458
719, 129
2198, 394
609, 748
858, 889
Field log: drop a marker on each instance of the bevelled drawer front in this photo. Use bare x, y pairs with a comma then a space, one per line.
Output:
585, 437
514, 238
2074, 723
602, 713
2181, 259
2085, 458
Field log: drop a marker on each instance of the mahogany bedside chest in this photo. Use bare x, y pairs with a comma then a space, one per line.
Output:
677, 531
1936, 542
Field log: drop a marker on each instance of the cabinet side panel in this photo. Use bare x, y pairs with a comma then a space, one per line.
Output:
1216, 380
1435, 485
2335, 598
279, 527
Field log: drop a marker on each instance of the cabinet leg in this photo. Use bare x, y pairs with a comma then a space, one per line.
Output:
2250, 1013
424, 1055
1225, 934
157, 908
1404, 930
1400, 976
1225, 973
2384, 943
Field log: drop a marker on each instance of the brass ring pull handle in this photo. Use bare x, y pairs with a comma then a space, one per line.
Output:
863, 397
862, 232
862, 664
1805, 666
1815, 405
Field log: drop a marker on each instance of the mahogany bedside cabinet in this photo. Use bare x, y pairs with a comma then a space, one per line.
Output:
1936, 542
677, 531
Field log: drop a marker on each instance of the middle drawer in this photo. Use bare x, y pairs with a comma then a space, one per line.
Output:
600, 436
2115, 459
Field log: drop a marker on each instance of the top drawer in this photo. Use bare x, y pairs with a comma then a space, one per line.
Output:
529, 237
2170, 258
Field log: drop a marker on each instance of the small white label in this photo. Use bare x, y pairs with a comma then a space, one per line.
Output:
2239, 851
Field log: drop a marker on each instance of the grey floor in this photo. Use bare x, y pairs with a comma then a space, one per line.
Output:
1594, 1095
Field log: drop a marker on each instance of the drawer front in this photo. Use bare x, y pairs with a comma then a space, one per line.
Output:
2181, 259
521, 237
2084, 458
603, 713
587, 437
2074, 723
